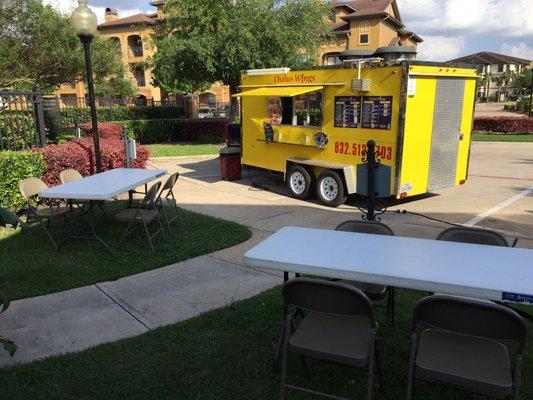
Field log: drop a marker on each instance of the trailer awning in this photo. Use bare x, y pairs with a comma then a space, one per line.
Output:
281, 91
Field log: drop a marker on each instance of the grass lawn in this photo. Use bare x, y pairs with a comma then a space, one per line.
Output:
223, 354
495, 137
173, 150
31, 266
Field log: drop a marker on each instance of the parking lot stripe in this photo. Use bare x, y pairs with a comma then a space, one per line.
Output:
476, 220
502, 177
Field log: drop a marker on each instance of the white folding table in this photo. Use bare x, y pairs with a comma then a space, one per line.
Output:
101, 187
484, 272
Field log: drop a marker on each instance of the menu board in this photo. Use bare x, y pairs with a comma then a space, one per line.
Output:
376, 112
347, 112
368, 112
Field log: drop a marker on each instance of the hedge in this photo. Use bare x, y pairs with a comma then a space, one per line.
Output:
79, 155
178, 130
69, 116
105, 130
503, 124
14, 167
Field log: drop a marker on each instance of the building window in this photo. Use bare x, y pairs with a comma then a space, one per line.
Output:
135, 45
116, 42
139, 75
364, 32
304, 58
303, 110
208, 100
331, 59
501, 67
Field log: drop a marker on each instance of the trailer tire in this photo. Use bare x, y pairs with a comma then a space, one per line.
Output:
330, 189
299, 182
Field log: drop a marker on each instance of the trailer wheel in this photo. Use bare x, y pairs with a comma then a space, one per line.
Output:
330, 189
299, 182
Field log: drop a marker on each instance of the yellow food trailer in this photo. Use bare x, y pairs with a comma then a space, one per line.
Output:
312, 125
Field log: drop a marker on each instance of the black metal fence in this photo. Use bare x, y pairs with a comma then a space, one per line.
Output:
22, 122
66, 112
28, 119
83, 102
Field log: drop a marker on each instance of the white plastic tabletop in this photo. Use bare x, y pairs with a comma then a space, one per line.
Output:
103, 186
485, 272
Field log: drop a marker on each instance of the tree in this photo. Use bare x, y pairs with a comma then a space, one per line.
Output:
507, 77
205, 41
38, 46
522, 81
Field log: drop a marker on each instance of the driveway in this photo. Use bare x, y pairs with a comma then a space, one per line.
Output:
498, 195
495, 110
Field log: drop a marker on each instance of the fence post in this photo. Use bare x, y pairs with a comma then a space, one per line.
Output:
39, 116
58, 112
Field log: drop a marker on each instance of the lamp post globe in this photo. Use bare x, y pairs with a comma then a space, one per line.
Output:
85, 24
84, 20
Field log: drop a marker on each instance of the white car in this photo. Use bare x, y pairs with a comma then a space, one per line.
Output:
205, 113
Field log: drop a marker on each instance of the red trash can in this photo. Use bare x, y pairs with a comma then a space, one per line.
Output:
230, 163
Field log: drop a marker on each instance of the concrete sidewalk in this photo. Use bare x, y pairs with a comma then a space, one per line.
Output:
74, 320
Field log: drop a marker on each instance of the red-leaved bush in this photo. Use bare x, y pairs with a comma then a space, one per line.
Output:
78, 154
105, 130
503, 124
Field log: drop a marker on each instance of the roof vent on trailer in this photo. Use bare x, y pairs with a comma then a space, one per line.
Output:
396, 53
349, 55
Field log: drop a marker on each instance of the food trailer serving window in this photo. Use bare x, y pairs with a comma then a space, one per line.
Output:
295, 105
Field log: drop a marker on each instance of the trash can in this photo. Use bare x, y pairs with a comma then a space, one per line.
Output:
233, 135
230, 163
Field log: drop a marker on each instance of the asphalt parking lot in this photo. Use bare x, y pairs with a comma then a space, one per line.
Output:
498, 195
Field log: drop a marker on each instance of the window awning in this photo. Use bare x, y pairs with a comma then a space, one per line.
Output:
281, 91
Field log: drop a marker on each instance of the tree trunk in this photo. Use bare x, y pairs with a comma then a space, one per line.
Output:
235, 106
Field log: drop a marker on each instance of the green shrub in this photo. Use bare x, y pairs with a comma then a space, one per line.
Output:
177, 130
14, 167
69, 116
522, 104
17, 131
51, 122
510, 106
152, 131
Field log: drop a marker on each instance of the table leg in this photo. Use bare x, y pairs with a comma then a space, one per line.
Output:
93, 228
130, 198
94, 236
71, 213
281, 336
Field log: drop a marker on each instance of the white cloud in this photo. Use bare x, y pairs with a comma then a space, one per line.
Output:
441, 48
502, 17
67, 6
521, 50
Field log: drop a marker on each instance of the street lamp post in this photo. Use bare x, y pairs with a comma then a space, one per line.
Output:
530, 89
84, 22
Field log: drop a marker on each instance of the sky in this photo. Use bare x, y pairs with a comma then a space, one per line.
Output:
450, 28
